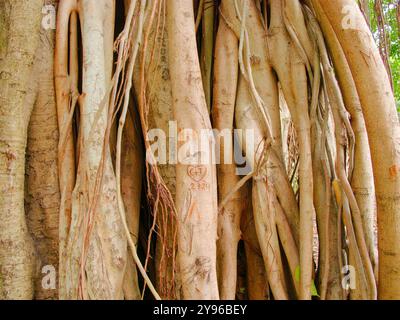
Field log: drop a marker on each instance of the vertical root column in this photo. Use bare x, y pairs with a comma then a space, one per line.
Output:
21, 21
196, 193
96, 246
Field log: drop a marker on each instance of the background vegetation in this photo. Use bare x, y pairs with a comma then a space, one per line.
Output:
390, 10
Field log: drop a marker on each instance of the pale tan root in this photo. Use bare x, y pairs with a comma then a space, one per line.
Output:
158, 101
20, 21
224, 96
340, 119
383, 129
97, 246
362, 178
291, 72
264, 219
196, 204
262, 83
66, 86
131, 185
246, 117
257, 281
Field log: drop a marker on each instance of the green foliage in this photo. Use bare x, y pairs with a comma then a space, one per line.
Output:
314, 292
391, 27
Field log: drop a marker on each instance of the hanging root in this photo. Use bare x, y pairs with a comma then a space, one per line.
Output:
257, 282
225, 83
291, 70
133, 201
196, 185
154, 103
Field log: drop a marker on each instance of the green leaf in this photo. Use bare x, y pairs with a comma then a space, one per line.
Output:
314, 292
297, 274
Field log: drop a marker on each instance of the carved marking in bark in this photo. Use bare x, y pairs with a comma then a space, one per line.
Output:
197, 173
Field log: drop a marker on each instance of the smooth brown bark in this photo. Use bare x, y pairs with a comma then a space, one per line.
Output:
42, 197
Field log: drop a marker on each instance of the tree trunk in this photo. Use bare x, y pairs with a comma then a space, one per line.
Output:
20, 23
196, 189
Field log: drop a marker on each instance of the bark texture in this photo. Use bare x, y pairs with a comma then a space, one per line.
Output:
374, 90
20, 25
196, 193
